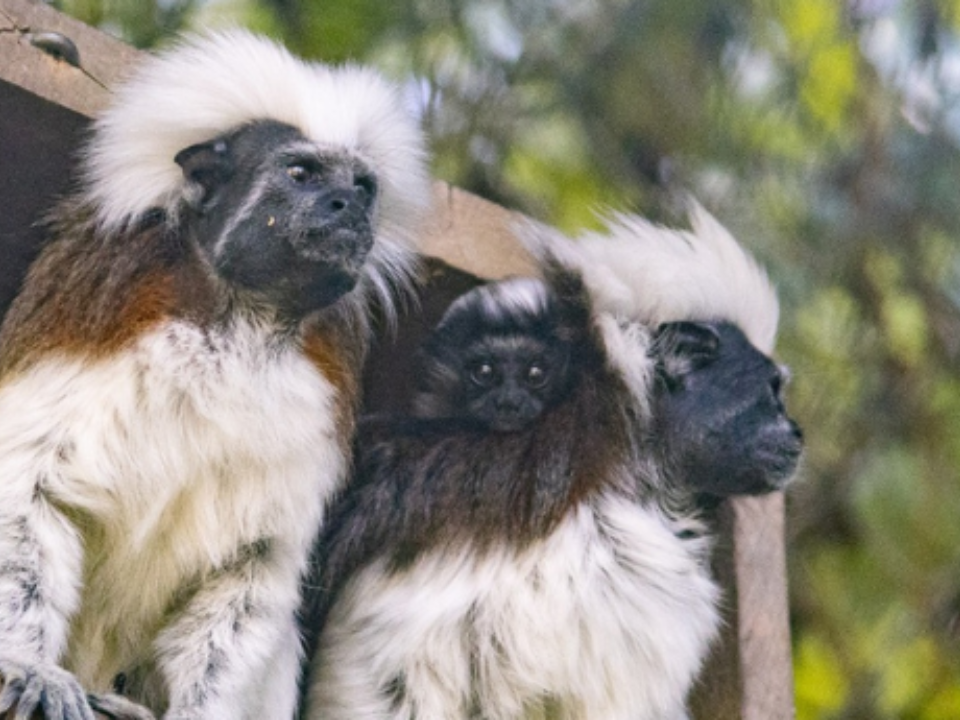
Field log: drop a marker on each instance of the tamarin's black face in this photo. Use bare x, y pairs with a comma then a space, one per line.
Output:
501, 355
506, 381
279, 216
719, 411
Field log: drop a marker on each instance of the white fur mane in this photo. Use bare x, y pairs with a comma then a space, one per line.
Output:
642, 271
514, 297
210, 84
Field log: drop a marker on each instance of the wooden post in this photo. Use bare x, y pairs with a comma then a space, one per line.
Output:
45, 105
749, 675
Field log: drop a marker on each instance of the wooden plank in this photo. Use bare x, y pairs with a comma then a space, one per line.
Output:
103, 59
763, 621
475, 235
749, 673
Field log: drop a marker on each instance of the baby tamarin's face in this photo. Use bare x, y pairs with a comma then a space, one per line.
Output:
499, 357
506, 381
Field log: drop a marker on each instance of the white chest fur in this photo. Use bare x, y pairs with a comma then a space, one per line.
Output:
607, 618
171, 458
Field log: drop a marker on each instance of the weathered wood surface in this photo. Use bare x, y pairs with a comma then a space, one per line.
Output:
44, 108
103, 59
749, 675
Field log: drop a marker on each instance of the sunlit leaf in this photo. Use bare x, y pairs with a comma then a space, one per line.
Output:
820, 684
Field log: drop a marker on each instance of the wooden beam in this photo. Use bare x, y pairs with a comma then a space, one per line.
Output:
763, 617
749, 674
46, 104
103, 59
475, 235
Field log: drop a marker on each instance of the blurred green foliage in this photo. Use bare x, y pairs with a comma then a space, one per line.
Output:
826, 134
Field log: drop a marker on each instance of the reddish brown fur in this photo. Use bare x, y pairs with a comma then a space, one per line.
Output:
338, 350
91, 295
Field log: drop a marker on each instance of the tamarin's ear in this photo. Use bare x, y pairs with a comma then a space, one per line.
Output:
206, 167
682, 347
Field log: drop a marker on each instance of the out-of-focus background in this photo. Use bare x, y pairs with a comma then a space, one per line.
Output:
826, 135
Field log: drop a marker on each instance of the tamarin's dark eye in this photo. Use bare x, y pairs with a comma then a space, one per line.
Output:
366, 186
299, 174
483, 374
536, 376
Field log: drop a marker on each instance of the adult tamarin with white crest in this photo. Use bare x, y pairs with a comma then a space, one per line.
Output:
179, 378
555, 566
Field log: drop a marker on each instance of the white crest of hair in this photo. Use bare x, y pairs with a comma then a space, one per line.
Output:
210, 84
631, 613
639, 270
520, 295
513, 297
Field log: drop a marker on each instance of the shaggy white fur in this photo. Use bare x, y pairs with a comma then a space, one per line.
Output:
176, 461
608, 618
645, 272
519, 295
210, 84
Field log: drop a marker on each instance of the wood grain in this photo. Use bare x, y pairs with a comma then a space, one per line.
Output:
103, 59
472, 234
763, 620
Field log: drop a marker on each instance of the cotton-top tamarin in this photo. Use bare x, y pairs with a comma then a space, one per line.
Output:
556, 567
179, 378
